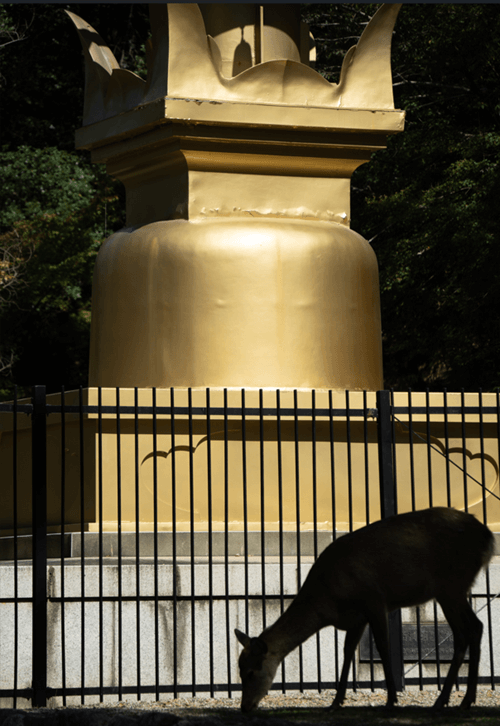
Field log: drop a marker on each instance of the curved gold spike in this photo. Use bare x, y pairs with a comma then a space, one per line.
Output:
93, 45
109, 89
125, 91
366, 77
99, 65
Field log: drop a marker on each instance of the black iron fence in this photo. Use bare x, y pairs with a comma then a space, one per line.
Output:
140, 527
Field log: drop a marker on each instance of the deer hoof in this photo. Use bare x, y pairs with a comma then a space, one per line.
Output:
466, 703
438, 706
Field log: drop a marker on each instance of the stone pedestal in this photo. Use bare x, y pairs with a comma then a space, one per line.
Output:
185, 621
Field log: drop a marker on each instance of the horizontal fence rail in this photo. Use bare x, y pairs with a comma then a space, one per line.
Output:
140, 527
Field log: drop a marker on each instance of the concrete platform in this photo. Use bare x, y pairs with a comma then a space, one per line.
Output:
194, 600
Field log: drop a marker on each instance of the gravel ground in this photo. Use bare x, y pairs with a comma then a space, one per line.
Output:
362, 707
360, 699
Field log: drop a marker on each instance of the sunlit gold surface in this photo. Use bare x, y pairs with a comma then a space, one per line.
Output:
237, 302
237, 267
181, 171
244, 475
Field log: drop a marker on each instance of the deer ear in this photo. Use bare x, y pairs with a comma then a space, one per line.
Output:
244, 639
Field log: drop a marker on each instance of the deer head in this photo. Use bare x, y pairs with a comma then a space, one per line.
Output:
257, 669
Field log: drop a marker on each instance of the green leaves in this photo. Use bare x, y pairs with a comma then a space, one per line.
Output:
429, 203
437, 242
56, 210
42, 182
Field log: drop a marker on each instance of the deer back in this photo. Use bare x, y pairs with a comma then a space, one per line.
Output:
403, 560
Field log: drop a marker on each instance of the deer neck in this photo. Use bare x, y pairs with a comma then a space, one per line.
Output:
292, 628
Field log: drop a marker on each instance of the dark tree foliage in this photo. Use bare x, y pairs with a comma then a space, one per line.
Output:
428, 204
56, 208
435, 216
42, 75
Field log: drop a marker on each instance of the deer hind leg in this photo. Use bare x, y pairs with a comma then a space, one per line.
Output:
379, 623
467, 631
352, 638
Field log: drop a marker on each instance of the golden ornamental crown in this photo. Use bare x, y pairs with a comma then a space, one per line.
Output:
242, 53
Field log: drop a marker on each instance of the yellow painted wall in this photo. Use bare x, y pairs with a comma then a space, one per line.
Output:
355, 465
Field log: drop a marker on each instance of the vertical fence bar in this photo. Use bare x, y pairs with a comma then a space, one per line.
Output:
485, 520
367, 515
385, 455
210, 550
410, 443
137, 545
297, 518
63, 521
280, 519
314, 476
191, 534
349, 494
428, 436
39, 544
155, 546
226, 546
119, 544
332, 464
101, 562
82, 539
436, 646
315, 518
245, 503
174, 545
498, 449
349, 497
387, 509
431, 499
413, 506
464, 450
262, 506
464, 469
334, 512
365, 452
16, 565
349, 462
394, 460
447, 447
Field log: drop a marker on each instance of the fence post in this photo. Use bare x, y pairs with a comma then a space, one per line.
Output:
387, 509
39, 544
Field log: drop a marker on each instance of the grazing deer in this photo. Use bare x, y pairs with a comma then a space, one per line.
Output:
398, 562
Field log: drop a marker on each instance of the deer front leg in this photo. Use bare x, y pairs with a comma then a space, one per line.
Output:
352, 638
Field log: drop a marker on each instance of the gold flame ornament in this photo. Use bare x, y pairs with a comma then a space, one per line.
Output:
237, 267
